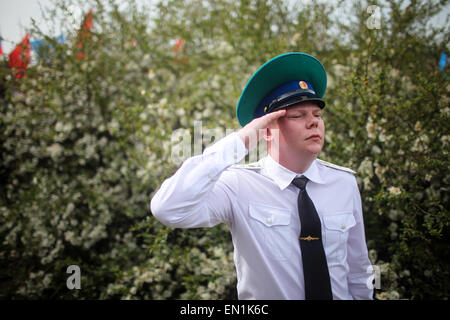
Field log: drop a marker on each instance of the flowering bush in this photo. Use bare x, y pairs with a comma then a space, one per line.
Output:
87, 139
392, 122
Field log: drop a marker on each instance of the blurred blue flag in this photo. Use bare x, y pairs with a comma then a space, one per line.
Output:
36, 44
442, 61
41, 47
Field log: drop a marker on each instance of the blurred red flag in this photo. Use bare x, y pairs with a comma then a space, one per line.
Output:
179, 45
1, 50
87, 23
20, 57
84, 33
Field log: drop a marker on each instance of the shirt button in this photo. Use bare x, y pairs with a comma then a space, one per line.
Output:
269, 220
343, 226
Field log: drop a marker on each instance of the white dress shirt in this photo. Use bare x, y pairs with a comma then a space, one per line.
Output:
259, 205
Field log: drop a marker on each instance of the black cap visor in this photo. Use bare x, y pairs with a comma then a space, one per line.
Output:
294, 98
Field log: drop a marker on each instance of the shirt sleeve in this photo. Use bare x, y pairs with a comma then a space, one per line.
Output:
199, 194
360, 273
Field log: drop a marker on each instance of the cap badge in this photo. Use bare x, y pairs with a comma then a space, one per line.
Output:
303, 85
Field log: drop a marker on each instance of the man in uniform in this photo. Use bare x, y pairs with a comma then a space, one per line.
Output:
296, 221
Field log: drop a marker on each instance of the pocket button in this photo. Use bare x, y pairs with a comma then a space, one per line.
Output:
343, 227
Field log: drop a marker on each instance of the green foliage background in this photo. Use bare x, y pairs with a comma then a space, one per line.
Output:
86, 142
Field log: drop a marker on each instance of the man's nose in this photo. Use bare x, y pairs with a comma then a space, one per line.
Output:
312, 122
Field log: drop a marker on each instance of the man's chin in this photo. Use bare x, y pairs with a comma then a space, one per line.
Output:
314, 151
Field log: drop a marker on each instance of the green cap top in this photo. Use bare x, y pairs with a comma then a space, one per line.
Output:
276, 72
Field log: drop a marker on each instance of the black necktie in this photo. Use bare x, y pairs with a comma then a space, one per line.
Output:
315, 268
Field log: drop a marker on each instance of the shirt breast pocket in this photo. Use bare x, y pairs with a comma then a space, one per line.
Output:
337, 226
270, 226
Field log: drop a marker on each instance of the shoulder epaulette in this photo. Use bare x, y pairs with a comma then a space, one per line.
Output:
253, 165
334, 166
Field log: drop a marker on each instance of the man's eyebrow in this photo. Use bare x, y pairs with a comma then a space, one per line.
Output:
295, 111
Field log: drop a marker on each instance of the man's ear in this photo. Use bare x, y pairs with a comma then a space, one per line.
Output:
269, 132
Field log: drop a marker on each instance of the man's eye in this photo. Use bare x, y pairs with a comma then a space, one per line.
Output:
296, 116
318, 116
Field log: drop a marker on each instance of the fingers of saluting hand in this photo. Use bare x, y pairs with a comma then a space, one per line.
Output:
252, 129
264, 121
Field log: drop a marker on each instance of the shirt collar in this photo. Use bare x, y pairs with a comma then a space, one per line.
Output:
283, 176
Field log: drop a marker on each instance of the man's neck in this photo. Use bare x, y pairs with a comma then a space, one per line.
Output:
297, 163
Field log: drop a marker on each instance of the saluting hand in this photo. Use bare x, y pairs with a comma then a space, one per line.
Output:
252, 129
